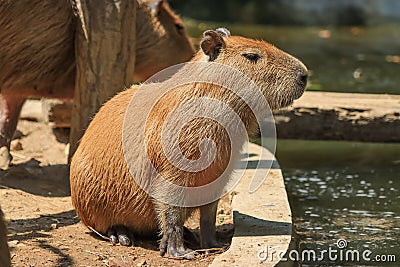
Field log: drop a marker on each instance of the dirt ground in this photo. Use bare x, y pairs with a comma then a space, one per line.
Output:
43, 227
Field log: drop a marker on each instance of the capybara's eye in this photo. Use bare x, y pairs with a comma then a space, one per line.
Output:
179, 27
252, 57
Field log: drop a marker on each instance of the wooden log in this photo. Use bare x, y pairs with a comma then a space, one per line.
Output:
105, 41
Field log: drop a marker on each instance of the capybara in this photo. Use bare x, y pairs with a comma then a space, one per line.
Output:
37, 55
119, 191
4, 251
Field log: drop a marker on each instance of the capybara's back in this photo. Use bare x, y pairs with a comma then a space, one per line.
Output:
36, 44
37, 53
4, 252
96, 209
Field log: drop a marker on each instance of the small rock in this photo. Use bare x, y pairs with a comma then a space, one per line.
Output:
141, 263
13, 243
53, 226
16, 145
5, 158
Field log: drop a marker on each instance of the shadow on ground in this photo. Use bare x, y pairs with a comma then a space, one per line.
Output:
30, 177
253, 226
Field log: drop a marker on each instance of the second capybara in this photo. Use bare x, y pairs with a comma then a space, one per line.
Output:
37, 55
4, 251
123, 191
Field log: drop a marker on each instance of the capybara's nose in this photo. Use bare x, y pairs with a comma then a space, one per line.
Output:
303, 79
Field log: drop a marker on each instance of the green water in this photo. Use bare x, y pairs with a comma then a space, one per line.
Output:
344, 190
340, 59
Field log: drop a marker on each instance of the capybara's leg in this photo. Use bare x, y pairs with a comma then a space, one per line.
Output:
172, 229
10, 107
120, 234
208, 215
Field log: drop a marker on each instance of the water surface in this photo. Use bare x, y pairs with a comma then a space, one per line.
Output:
344, 190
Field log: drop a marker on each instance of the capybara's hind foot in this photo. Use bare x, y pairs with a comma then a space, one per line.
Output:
5, 158
120, 234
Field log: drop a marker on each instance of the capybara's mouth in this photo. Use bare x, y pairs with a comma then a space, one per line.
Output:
298, 93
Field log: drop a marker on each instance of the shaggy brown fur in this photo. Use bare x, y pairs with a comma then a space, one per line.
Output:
37, 45
104, 192
37, 56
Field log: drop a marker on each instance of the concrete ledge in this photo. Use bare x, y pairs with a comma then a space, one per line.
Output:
341, 116
262, 219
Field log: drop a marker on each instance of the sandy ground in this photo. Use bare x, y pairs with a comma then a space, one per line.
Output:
43, 227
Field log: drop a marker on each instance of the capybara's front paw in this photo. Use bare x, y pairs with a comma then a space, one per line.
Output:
121, 235
172, 242
211, 244
5, 158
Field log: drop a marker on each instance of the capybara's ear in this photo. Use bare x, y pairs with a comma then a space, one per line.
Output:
155, 6
212, 43
224, 32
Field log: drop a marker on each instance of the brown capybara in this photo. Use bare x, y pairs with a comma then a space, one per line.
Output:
37, 55
4, 251
124, 180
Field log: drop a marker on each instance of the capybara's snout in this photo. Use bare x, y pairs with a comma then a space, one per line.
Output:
302, 78
296, 80
290, 81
